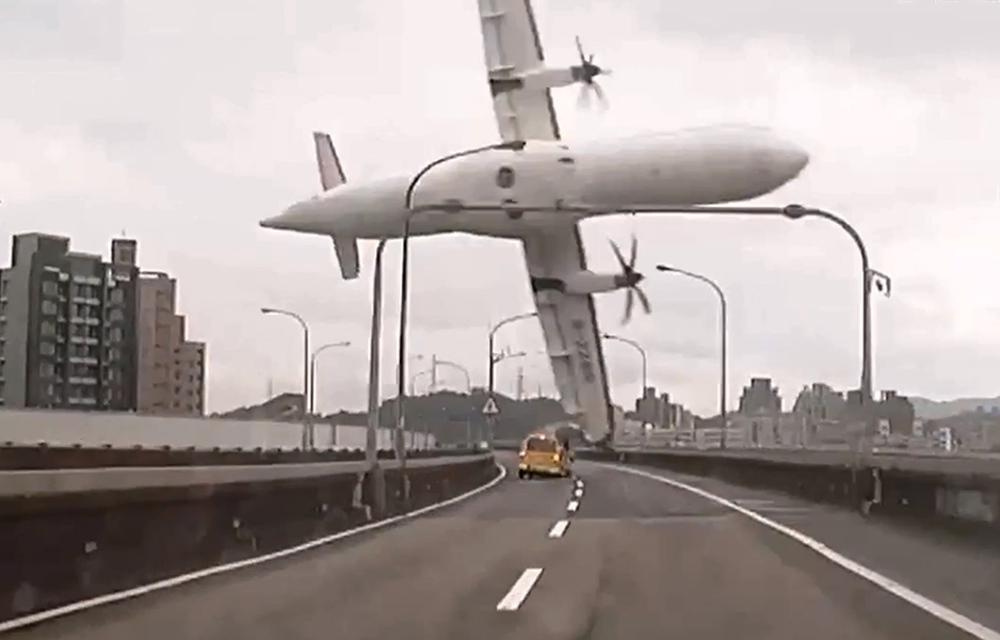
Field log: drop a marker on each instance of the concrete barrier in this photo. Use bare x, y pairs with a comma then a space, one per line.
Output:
61, 545
92, 429
954, 492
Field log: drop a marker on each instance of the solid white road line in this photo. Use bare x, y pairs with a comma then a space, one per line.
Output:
936, 609
520, 590
573, 506
142, 590
558, 529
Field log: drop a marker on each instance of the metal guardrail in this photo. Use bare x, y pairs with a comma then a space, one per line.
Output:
62, 481
949, 464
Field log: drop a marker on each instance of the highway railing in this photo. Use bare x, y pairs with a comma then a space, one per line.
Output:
68, 534
951, 490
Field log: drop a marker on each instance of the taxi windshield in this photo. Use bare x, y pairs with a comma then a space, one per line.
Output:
540, 444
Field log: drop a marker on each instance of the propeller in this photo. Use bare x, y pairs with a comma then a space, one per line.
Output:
630, 279
585, 74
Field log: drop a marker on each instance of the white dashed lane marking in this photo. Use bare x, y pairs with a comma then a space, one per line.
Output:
520, 590
558, 529
573, 506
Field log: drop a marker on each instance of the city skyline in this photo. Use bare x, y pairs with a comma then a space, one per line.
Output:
194, 153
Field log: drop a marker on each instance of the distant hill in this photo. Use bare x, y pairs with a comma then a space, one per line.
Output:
937, 409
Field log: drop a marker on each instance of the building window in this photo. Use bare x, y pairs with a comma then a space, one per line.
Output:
117, 296
46, 348
50, 288
48, 328
49, 308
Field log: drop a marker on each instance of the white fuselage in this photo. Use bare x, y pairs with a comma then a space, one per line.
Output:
701, 166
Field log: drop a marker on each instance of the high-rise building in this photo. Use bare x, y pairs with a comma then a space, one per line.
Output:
67, 326
760, 398
171, 378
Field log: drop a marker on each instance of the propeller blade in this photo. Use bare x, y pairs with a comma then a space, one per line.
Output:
629, 303
644, 300
583, 100
579, 49
601, 98
619, 256
634, 252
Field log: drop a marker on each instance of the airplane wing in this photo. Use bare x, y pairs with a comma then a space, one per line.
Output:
512, 45
569, 323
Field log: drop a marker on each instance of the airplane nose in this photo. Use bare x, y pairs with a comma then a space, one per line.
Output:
791, 158
290, 219
274, 222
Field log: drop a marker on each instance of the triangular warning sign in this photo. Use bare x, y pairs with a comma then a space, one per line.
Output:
491, 408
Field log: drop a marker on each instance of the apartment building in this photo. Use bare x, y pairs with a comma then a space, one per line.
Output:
67, 326
171, 375
761, 397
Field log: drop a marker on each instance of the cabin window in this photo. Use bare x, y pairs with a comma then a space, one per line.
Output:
505, 178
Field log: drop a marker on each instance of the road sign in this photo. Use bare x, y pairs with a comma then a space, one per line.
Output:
491, 408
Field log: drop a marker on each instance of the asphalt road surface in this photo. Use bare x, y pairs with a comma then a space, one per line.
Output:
613, 556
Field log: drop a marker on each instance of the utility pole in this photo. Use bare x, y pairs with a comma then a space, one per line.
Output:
520, 384
434, 373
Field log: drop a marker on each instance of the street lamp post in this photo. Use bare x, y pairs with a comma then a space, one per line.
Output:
312, 370
405, 281
642, 352
307, 440
373, 483
792, 212
496, 357
723, 365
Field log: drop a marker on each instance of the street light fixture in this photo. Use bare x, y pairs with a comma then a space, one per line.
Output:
497, 357
722, 305
307, 435
312, 370
635, 345
411, 211
792, 212
642, 352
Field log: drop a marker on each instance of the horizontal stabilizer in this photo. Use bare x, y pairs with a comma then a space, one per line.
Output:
347, 255
331, 174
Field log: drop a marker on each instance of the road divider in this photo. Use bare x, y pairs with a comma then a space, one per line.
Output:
61, 546
955, 492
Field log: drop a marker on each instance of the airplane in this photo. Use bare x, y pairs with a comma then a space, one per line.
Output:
696, 166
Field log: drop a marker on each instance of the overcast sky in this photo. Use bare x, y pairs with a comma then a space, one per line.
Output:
183, 123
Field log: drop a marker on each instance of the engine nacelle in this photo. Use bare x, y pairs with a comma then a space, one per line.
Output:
582, 283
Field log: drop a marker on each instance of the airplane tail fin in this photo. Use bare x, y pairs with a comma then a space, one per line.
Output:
331, 175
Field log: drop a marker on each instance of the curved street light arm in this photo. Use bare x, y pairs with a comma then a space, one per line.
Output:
635, 345
307, 408
405, 281
723, 410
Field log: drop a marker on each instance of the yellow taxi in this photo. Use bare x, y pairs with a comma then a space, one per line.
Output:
542, 454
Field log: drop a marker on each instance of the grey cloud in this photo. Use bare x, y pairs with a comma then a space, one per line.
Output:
214, 113
873, 28
52, 29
